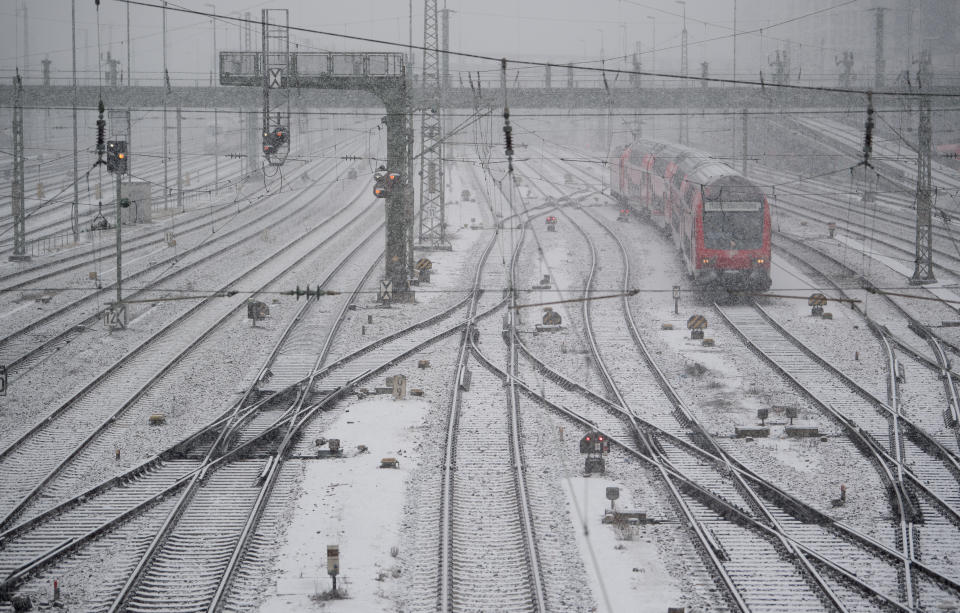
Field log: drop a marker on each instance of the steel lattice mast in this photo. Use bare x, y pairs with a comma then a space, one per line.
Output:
923, 268
276, 79
16, 185
432, 232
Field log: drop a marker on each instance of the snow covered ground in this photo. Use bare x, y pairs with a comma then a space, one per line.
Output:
351, 502
625, 568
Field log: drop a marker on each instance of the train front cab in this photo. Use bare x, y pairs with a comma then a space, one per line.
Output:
733, 242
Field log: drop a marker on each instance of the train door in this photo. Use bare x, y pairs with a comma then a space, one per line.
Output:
688, 239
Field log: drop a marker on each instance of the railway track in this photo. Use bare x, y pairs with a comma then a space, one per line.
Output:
497, 566
146, 239
922, 474
792, 521
81, 425
871, 228
890, 320
28, 344
154, 583
52, 224
129, 491
313, 396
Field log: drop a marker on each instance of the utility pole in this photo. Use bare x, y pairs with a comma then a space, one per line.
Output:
733, 139
16, 185
734, 77
881, 64
179, 162
26, 42
445, 46
923, 264
638, 68
129, 54
684, 127
75, 208
166, 86
129, 145
653, 61
743, 164
432, 223
119, 266
247, 32
216, 127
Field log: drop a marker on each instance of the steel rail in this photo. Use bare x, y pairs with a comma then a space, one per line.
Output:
290, 421
219, 596
66, 309
643, 442
151, 237
880, 457
170, 364
933, 574
445, 562
759, 506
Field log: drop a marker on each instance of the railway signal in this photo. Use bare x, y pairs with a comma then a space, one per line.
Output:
696, 325
333, 563
257, 311
817, 302
117, 156
762, 415
594, 445
424, 266
385, 183
274, 139
552, 318
613, 493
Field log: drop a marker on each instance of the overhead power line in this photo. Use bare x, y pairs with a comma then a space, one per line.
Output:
406, 46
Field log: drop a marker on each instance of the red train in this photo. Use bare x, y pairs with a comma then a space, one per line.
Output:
718, 219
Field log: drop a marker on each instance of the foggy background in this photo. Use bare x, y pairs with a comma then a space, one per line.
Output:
595, 32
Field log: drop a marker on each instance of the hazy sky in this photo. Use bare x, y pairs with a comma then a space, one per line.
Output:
562, 30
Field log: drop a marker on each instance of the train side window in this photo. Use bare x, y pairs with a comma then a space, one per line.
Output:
677, 179
660, 166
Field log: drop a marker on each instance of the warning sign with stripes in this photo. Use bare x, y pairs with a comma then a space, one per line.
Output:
552, 318
424, 264
817, 300
697, 322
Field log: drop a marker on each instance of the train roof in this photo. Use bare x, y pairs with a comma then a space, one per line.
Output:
698, 166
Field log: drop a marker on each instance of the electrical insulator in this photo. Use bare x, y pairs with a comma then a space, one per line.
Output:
101, 130
868, 132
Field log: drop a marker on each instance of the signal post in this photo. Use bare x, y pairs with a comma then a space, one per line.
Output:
382, 74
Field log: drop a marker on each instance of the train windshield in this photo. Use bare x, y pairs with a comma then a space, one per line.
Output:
733, 225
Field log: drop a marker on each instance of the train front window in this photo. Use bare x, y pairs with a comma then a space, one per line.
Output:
732, 225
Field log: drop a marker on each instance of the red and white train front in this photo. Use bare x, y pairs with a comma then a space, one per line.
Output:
732, 234
718, 219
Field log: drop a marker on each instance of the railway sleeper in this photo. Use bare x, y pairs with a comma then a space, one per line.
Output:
897, 493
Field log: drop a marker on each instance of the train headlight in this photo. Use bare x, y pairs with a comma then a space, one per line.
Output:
706, 261
760, 260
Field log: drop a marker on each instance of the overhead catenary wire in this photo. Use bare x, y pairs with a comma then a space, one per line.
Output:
543, 64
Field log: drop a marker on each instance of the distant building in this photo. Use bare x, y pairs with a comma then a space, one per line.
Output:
817, 42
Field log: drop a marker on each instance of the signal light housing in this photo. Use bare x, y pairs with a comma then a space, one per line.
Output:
384, 184
117, 156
